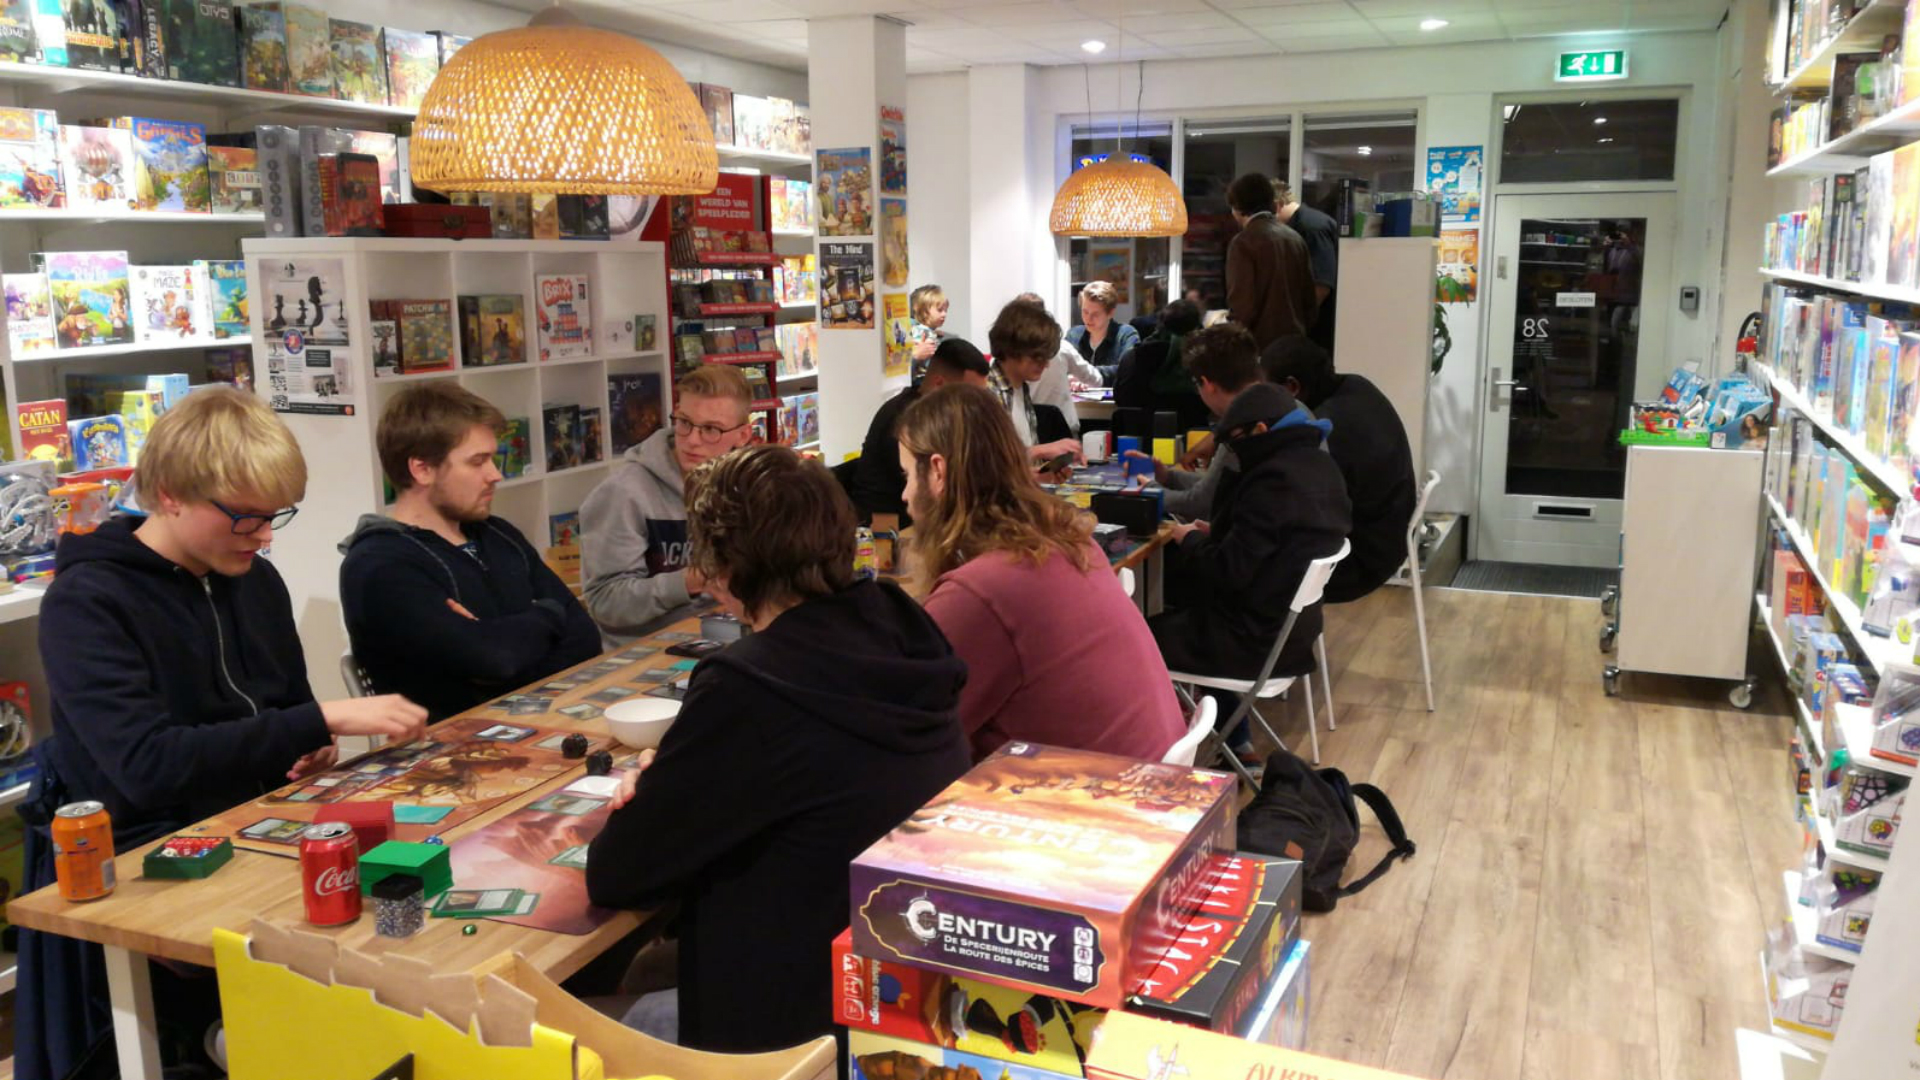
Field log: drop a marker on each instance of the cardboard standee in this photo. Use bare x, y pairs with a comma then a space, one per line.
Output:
314, 1021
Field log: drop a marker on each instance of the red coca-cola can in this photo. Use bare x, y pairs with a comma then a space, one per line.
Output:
330, 873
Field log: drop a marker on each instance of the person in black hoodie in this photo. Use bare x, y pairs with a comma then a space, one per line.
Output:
444, 602
831, 723
178, 684
1369, 444
1285, 506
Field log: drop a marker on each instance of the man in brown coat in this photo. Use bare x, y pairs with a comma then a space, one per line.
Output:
1269, 272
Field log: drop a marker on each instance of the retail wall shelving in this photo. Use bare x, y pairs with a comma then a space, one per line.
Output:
344, 479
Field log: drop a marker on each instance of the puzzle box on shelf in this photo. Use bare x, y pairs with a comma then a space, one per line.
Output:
1842, 899
1063, 871
1805, 993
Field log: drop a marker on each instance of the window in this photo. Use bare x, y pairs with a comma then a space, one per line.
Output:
1135, 267
1589, 140
1216, 153
1369, 150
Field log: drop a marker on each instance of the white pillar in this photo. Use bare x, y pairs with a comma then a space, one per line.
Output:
855, 64
1004, 188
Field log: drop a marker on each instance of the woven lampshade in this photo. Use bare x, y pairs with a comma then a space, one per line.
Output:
561, 108
1118, 197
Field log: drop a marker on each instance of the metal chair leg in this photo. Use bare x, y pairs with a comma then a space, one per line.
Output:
1313, 727
1326, 679
1420, 624
1255, 715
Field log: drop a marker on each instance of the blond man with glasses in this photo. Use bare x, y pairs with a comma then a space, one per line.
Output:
633, 527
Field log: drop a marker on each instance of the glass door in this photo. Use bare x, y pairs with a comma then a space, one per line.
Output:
1578, 333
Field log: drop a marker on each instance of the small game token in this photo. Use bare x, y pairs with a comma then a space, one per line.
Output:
600, 763
574, 746
434, 840
470, 929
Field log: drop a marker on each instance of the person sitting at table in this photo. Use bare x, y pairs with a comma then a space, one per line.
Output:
633, 526
1219, 374
1024, 340
445, 602
827, 726
1369, 444
1284, 506
177, 684
1054, 389
1056, 652
878, 483
1152, 377
1100, 340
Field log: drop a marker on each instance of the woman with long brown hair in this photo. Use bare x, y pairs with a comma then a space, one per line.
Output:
1015, 581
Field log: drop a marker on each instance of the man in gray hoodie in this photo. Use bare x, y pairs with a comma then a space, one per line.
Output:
633, 527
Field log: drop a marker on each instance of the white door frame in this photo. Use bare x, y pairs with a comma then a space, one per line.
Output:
1524, 528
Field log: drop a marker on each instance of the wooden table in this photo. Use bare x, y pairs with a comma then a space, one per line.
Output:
175, 920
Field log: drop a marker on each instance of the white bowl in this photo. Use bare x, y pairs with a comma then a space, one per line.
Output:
641, 722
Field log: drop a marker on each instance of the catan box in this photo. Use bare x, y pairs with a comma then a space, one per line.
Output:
1064, 872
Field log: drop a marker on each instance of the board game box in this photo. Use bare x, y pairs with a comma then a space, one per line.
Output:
515, 453
493, 330
233, 180
98, 165
636, 408
426, 335
18, 40
29, 314
561, 426
413, 59
1064, 871
169, 165
167, 305
350, 195
43, 431
359, 72
93, 34
99, 442
202, 45
1134, 1047
263, 48
385, 149
872, 1056
30, 159
563, 316
309, 50
227, 297
450, 44
91, 299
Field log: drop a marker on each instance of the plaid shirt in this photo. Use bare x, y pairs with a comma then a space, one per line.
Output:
998, 382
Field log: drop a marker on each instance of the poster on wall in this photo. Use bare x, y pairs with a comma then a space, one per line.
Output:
846, 286
1459, 267
309, 366
1113, 264
899, 336
893, 150
1453, 177
893, 241
843, 187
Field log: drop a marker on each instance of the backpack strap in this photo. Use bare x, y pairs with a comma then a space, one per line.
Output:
1403, 848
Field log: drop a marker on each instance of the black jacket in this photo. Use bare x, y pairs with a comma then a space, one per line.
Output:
879, 485
1369, 444
394, 586
1284, 507
1141, 383
796, 748
175, 697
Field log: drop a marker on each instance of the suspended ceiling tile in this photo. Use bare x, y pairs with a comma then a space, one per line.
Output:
1019, 15
1443, 9
1176, 39
1299, 15
1327, 43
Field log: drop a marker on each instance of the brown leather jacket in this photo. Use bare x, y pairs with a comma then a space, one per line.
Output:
1270, 281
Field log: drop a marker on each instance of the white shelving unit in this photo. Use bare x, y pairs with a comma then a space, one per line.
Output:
22, 603
1809, 727
244, 219
261, 103
1805, 920
1890, 479
1877, 651
1863, 31
344, 477
1766, 1056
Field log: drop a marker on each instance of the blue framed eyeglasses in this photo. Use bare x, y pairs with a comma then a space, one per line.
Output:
248, 524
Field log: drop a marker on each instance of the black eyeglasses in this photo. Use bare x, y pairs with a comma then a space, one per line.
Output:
684, 428
248, 524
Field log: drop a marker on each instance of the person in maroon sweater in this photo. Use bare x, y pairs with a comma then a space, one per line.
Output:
1056, 652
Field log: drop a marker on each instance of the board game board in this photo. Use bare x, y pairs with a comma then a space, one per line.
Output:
541, 849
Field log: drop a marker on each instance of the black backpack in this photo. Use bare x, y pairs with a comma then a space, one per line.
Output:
1308, 814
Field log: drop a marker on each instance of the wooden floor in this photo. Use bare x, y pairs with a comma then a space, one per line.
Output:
1594, 875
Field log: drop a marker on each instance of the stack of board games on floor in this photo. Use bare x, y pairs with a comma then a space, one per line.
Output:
1047, 892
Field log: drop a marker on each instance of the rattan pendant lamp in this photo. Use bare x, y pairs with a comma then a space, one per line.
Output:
1119, 196
558, 107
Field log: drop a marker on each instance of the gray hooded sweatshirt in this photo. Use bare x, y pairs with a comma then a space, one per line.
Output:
633, 543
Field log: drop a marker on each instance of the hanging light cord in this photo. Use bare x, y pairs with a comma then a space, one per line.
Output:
1139, 91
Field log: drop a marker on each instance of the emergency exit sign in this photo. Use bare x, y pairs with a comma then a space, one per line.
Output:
1591, 66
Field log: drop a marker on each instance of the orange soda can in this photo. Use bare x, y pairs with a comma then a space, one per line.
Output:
83, 851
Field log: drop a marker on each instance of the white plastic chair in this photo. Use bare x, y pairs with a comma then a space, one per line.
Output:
1413, 570
1312, 585
1187, 747
355, 676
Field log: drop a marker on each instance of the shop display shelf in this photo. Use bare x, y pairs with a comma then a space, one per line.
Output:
571, 470
789, 305
1767, 1056
810, 373
490, 369
1878, 651
744, 359
1840, 854
1804, 919
1803, 1041
131, 217
571, 360
1808, 726
739, 309
437, 373
1893, 480
765, 405
251, 102
22, 603
747, 153
93, 352
1900, 293
814, 445
1864, 30
1851, 151
808, 233
520, 481
1856, 734
738, 258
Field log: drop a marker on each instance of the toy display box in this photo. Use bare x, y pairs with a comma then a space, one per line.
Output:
1865, 806
871, 1056
1064, 872
1219, 973
1282, 1019
1804, 993
1842, 901
1133, 1047
1896, 716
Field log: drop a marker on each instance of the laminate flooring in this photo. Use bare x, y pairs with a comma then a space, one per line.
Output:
1594, 875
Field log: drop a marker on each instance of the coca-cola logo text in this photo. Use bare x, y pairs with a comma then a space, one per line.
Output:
336, 879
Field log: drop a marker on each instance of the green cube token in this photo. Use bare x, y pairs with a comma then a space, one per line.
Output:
428, 862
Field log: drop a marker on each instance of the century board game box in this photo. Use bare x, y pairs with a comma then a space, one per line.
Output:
1133, 1047
1066, 872
872, 1056
1220, 970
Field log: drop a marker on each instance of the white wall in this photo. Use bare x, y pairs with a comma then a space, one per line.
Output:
1455, 88
938, 243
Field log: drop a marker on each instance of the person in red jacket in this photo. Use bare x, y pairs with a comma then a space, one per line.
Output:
1056, 652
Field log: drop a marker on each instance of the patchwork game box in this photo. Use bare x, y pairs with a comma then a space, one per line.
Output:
1065, 872
879, 1057
1133, 1047
1221, 968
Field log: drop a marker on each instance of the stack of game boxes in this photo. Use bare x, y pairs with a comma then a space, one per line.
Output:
998, 928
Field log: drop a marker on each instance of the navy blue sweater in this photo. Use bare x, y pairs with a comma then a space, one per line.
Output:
174, 696
394, 587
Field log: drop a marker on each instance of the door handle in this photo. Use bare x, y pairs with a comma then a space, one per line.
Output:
1493, 390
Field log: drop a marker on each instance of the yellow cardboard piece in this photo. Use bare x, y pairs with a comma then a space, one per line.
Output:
1165, 453
1134, 1047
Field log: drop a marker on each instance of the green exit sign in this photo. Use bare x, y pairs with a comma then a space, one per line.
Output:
1595, 64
